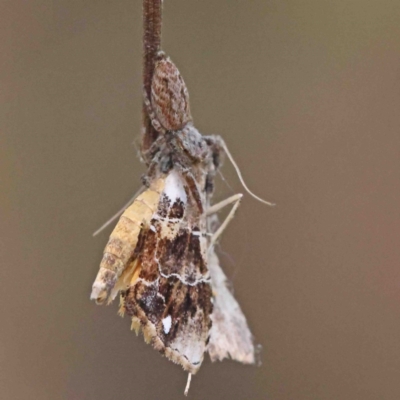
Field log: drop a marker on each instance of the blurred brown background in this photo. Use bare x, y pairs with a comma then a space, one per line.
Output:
306, 94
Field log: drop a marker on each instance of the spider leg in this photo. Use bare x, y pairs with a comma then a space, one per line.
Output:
150, 112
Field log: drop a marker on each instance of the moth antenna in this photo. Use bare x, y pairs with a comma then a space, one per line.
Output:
239, 174
115, 216
188, 384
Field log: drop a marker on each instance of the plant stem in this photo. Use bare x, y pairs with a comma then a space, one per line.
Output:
152, 21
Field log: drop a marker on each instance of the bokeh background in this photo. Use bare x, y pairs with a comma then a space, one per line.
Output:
305, 93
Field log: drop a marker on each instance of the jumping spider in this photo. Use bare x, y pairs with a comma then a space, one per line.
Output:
179, 144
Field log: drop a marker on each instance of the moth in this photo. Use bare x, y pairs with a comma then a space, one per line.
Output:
160, 257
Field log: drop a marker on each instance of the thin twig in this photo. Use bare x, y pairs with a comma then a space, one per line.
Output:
152, 21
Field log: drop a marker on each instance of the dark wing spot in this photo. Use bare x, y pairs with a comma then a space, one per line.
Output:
177, 209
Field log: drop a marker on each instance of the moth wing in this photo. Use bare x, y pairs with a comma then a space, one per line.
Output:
117, 264
230, 335
169, 297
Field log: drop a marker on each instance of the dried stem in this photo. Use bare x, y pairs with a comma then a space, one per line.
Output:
152, 21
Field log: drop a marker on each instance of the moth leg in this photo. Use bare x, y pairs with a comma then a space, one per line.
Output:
219, 206
235, 200
150, 112
188, 384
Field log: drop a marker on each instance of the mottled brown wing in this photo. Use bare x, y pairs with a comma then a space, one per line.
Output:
170, 293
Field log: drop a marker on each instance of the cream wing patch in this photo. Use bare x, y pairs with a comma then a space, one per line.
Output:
122, 243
